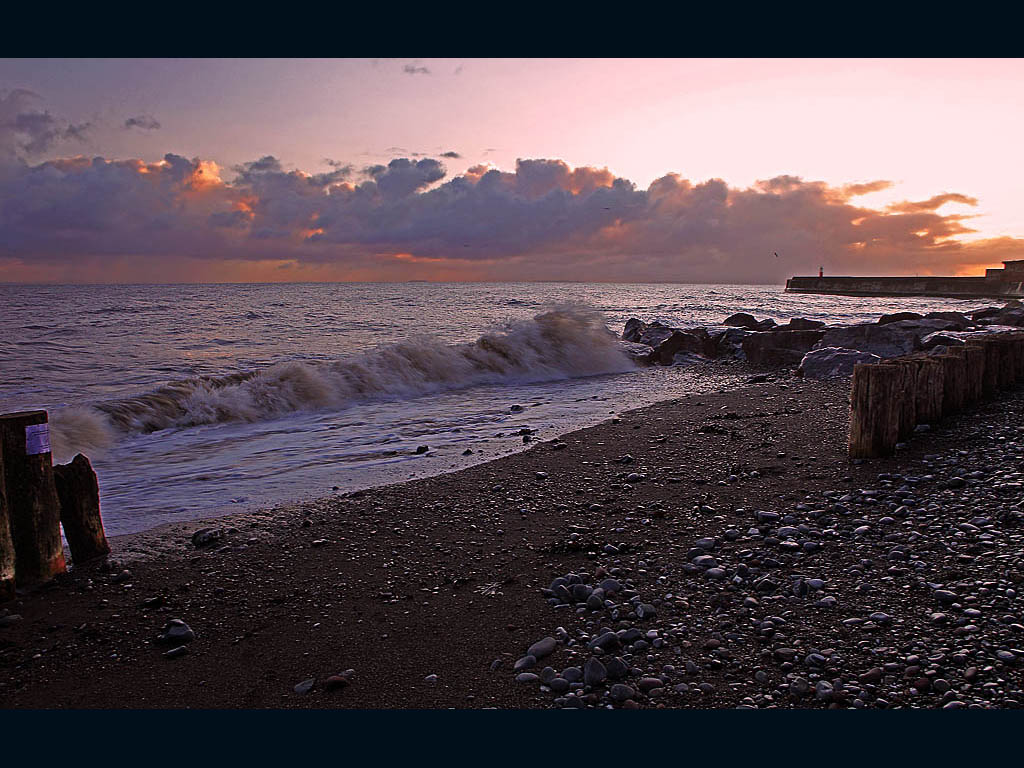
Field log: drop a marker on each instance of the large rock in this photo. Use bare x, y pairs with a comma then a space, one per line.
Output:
634, 329
1014, 317
694, 341
895, 317
802, 324
780, 347
957, 318
984, 314
833, 362
742, 320
890, 340
944, 339
729, 342
638, 353
655, 333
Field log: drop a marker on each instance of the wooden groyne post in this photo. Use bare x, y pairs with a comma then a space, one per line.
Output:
79, 495
889, 399
32, 502
6, 542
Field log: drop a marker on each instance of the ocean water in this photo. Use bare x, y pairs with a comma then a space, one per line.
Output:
199, 400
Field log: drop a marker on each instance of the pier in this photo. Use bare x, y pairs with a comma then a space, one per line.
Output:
1006, 283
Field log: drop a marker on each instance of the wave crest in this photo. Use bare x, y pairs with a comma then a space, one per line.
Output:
566, 342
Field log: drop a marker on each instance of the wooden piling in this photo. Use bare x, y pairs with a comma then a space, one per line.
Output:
954, 375
907, 398
6, 542
975, 357
31, 497
990, 382
928, 397
875, 404
79, 495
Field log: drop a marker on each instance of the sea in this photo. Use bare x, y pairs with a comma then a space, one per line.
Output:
194, 401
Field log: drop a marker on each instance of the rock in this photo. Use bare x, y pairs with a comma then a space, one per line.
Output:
802, 324
778, 348
741, 320
695, 341
729, 342
942, 339
655, 333
336, 682
430, 679
594, 672
890, 340
422, 449
638, 353
620, 692
7, 621
526, 662
542, 648
305, 686
634, 329
204, 537
833, 362
896, 317
174, 653
176, 632
957, 318
527, 677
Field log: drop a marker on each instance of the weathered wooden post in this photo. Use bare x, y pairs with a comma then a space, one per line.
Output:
954, 370
975, 357
928, 399
875, 404
990, 382
79, 495
907, 397
6, 542
31, 497
1007, 366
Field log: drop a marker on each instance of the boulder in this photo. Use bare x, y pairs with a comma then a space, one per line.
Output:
695, 341
766, 325
742, 320
780, 347
655, 333
895, 317
890, 340
802, 324
984, 314
638, 353
833, 362
1014, 317
729, 342
957, 318
634, 329
942, 338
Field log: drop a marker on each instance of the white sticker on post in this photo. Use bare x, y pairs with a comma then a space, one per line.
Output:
37, 439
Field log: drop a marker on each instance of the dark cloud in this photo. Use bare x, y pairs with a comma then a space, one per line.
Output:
414, 69
142, 122
26, 130
542, 220
451, 155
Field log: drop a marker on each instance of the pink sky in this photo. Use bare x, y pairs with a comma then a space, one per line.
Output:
928, 126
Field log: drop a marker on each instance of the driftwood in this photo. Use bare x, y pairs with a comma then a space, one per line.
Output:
79, 495
31, 497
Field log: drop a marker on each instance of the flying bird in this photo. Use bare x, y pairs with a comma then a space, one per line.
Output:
776, 255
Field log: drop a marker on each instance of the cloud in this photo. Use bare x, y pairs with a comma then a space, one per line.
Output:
543, 219
452, 155
26, 131
142, 122
413, 69
932, 203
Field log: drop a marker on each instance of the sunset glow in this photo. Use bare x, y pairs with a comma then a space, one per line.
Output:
700, 171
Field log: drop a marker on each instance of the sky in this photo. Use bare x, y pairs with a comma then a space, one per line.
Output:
724, 170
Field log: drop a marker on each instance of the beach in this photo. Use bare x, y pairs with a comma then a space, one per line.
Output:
742, 561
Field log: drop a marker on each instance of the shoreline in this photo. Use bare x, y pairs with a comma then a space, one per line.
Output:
446, 575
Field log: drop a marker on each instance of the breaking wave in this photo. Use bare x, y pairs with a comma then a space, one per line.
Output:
566, 342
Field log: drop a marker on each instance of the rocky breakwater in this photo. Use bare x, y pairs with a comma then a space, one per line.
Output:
812, 348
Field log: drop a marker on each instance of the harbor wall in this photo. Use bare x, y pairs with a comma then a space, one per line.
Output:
946, 287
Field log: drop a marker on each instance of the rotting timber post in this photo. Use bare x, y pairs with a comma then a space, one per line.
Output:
32, 502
